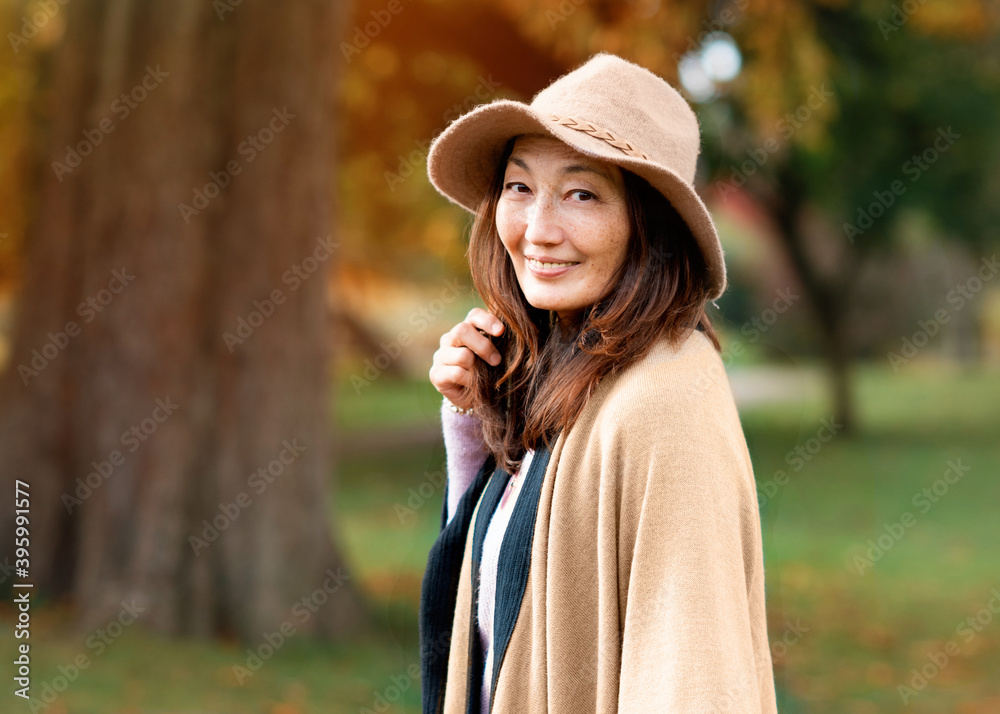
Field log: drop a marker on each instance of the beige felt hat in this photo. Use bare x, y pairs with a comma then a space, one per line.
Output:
608, 108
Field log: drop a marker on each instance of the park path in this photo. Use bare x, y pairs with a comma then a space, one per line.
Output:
763, 384
751, 386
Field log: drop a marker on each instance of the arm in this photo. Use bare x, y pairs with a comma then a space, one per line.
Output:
465, 454
694, 627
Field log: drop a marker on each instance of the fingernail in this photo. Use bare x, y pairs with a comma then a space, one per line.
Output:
495, 360
496, 327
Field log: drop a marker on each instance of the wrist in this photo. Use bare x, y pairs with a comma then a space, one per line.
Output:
456, 409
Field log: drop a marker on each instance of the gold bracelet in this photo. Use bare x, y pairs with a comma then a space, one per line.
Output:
457, 410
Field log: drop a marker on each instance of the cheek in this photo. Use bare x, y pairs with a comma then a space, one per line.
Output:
506, 226
623, 236
613, 242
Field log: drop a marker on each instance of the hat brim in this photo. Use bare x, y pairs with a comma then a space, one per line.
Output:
462, 160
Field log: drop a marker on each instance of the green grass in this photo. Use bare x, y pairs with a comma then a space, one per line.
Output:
868, 631
143, 672
386, 402
863, 634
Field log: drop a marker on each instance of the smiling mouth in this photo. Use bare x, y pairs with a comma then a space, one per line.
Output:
539, 264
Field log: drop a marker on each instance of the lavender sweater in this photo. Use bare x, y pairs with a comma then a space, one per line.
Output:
466, 453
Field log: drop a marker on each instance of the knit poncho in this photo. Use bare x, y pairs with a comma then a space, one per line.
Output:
631, 575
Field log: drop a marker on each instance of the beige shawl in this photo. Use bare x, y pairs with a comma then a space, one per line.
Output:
645, 591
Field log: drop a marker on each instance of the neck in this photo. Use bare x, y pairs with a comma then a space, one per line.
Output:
568, 319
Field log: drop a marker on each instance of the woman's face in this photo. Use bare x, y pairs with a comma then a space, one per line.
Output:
560, 206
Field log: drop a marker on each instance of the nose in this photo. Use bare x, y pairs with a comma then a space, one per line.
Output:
543, 223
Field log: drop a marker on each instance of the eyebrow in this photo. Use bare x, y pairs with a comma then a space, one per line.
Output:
571, 169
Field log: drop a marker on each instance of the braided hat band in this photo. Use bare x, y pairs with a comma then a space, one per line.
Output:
600, 133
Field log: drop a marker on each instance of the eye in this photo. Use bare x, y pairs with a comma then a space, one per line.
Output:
510, 184
587, 195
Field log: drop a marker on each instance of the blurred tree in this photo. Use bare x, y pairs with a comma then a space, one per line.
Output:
828, 127
167, 395
438, 60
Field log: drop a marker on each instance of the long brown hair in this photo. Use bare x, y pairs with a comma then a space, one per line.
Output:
548, 372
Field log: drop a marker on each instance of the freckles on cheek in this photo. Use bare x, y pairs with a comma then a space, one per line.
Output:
506, 228
613, 245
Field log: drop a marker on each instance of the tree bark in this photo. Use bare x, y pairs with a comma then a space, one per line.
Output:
177, 278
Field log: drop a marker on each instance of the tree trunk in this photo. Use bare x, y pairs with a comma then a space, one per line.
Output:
168, 391
829, 298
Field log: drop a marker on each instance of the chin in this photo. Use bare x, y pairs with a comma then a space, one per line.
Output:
544, 301
556, 305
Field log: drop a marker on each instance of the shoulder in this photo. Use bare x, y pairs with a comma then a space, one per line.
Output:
684, 381
675, 406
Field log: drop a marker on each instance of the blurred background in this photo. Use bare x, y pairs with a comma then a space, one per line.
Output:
223, 273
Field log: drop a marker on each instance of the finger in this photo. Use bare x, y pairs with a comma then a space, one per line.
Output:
465, 334
468, 336
456, 356
447, 377
479, 319
485, 321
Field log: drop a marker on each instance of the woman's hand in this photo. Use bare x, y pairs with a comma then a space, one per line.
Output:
459, 348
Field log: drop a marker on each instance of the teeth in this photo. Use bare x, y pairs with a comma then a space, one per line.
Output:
538, 264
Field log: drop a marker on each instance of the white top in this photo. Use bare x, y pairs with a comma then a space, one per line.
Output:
488, 574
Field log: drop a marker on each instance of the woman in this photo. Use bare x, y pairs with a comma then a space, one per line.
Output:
600, 545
